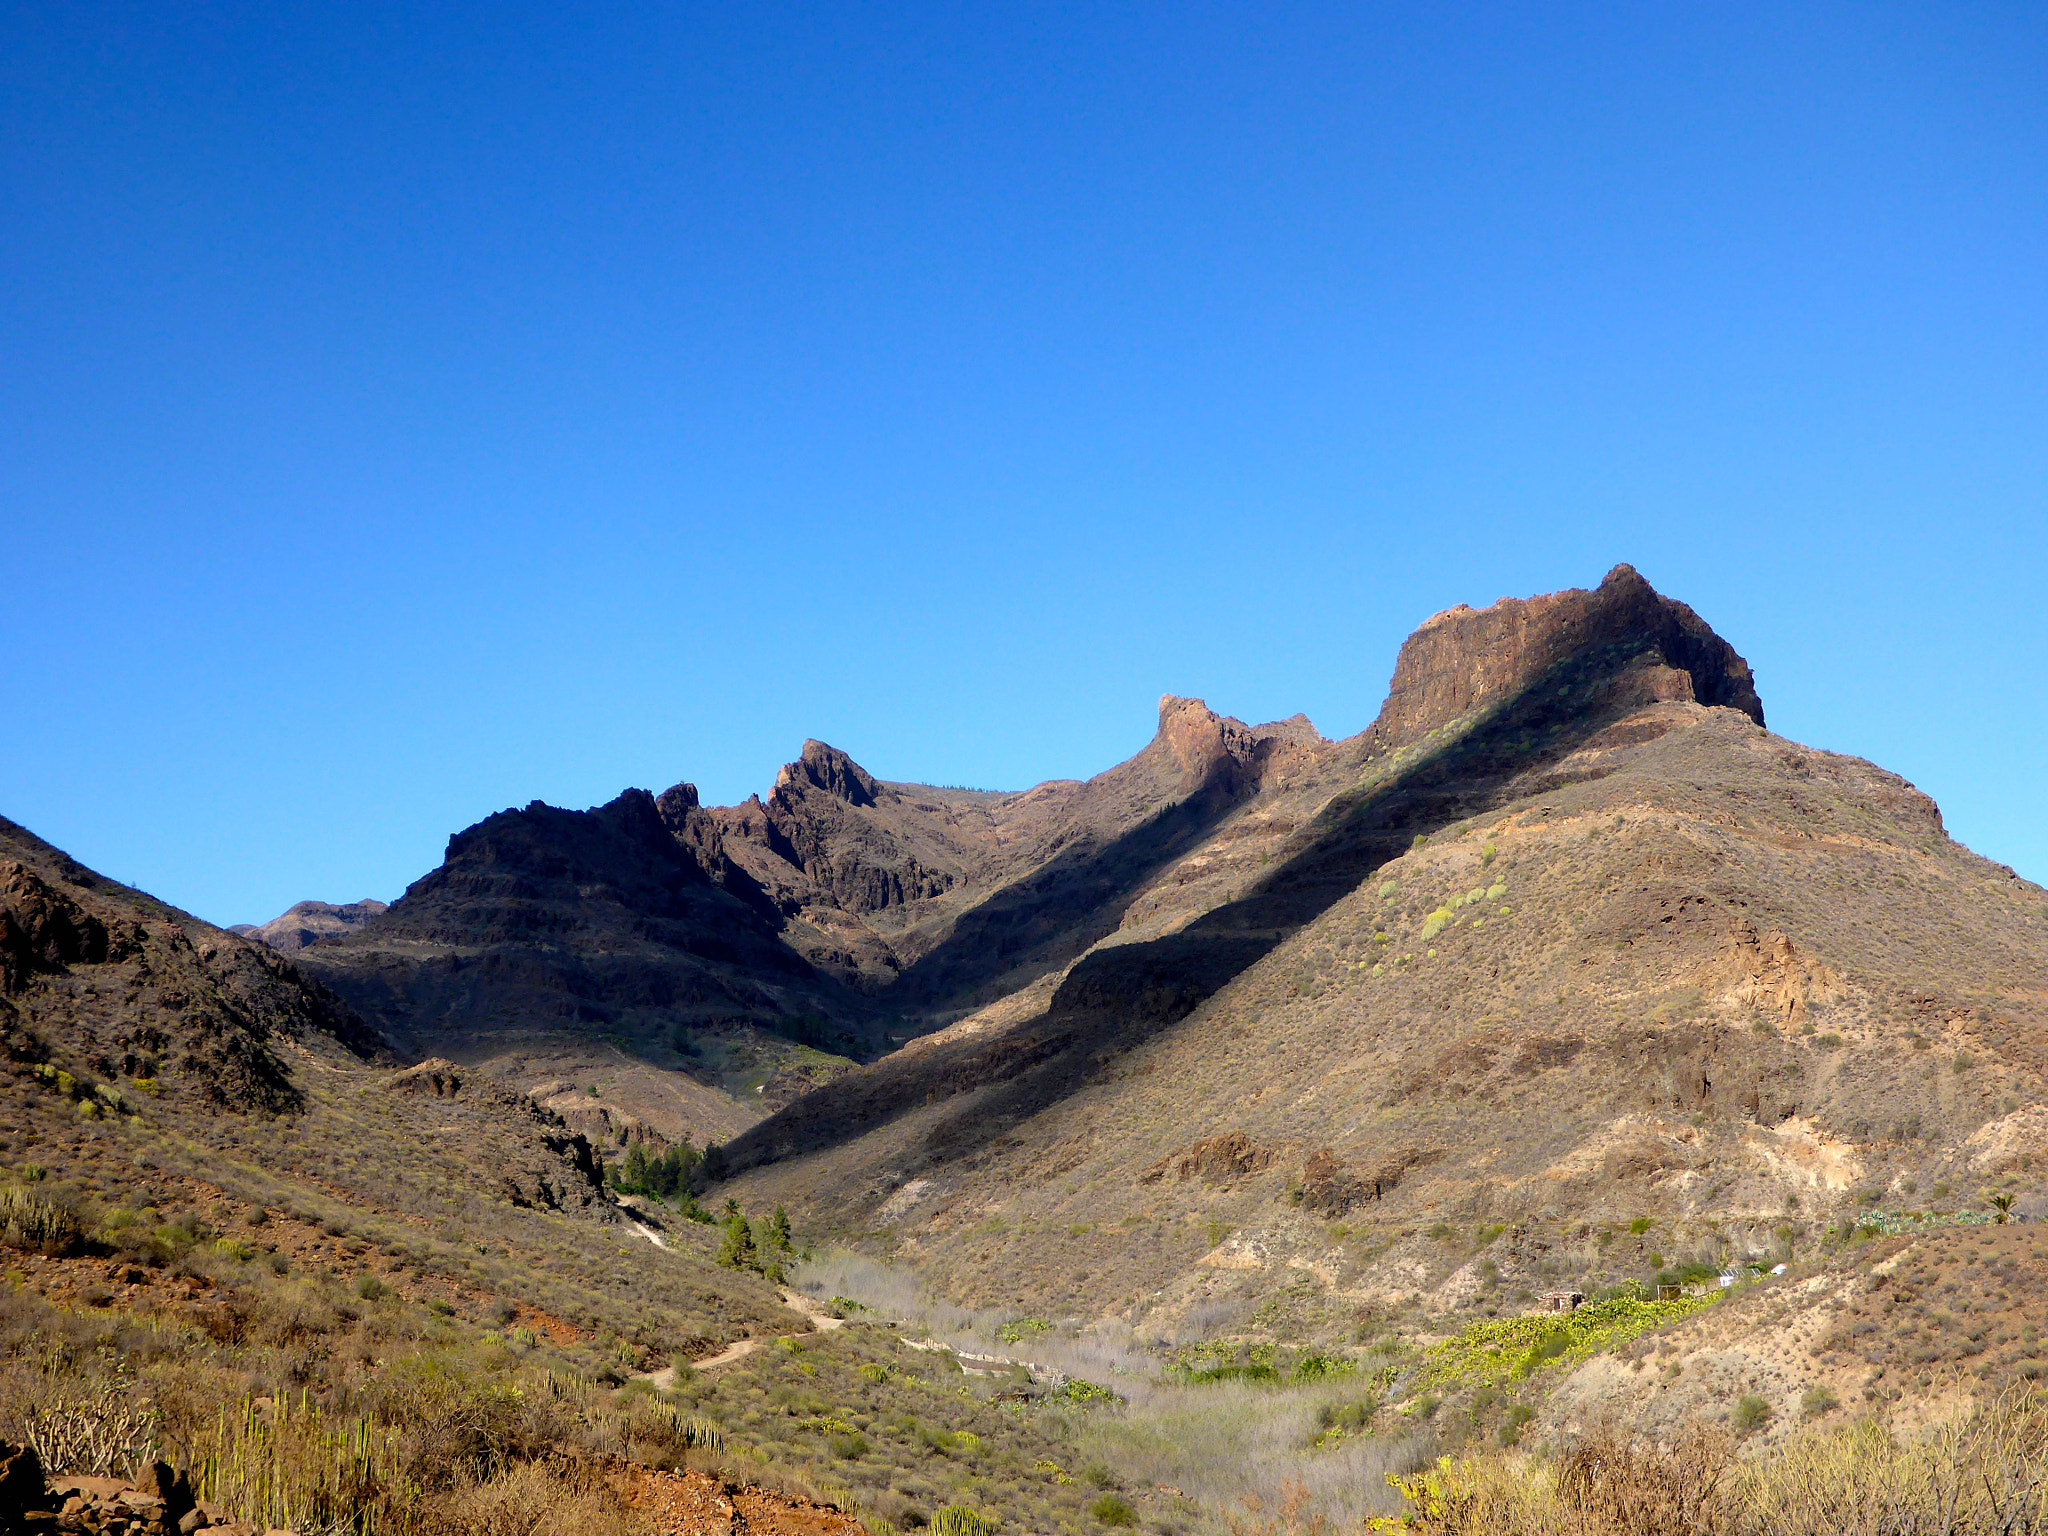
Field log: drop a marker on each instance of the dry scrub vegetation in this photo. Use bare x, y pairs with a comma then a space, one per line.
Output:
1455, 1436
346, 1319
1984, 1473
305, 1391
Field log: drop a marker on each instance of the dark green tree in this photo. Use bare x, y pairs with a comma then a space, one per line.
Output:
737, 1250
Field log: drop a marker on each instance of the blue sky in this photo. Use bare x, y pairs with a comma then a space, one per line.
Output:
407, 412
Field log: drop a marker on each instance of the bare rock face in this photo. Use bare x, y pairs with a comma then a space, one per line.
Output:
1218, 753
1213, 1160
1465, 659
308, 922
436, 1077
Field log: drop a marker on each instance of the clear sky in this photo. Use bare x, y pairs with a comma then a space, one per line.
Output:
410, 411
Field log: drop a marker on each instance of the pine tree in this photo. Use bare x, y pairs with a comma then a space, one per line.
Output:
737, 1251
778, 1230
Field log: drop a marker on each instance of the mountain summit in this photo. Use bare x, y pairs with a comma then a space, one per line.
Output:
1464, 659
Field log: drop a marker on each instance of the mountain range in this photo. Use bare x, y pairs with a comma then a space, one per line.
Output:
1565, 974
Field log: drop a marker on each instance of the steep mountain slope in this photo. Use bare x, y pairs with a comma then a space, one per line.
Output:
1566, 939
106, 981
157, 1065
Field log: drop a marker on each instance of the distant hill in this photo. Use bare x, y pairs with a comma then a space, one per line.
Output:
307, 922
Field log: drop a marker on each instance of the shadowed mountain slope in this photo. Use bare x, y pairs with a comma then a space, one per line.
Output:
753, 950
96, 973
1481, 698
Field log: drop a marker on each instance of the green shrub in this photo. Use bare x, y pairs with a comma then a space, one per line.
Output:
1511, 1424
1202, 1364
370, 1288
849, 1447
1315, 1365
1640, 1225
1751, 1414
1113, 1509
1512, 1348
1335, 1420
1818, 1401
1079, 1391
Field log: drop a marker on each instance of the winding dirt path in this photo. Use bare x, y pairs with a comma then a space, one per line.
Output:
820, 1320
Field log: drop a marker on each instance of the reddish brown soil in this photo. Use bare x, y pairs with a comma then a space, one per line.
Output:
698, 1504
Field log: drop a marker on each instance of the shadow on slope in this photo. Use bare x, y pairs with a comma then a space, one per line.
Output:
1028, 928
1118, 996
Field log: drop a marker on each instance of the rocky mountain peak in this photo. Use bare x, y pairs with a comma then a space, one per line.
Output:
1209, 748
827, 768
1466, 658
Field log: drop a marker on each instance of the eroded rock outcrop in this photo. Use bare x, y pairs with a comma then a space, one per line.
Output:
1464, 659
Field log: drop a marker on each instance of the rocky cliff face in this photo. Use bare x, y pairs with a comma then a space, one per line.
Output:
1465, 660
849, 912
840, 910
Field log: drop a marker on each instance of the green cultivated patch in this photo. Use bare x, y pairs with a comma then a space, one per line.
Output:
1511, 1348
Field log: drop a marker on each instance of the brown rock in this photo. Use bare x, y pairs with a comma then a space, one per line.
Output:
172, 1490
22, 1487
1213, 1160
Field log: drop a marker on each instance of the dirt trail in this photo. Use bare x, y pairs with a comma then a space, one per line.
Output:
820, 1320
